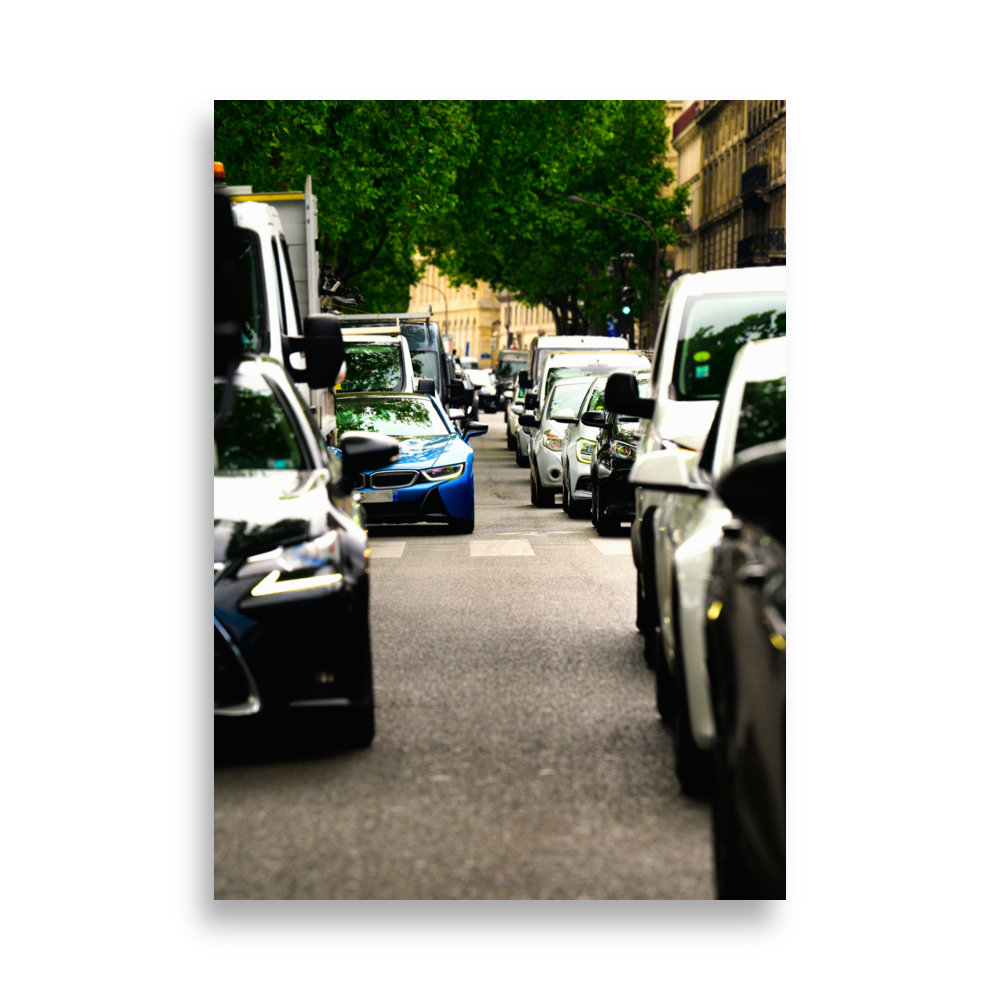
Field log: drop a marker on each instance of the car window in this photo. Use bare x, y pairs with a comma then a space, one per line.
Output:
403, 416
508, 369
253, 310
258, 433
762, 414
567, 397
373, 368
425, 365
713, 329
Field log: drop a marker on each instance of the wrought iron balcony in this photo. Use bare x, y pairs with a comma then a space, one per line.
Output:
753, 180
752, 251
776, 240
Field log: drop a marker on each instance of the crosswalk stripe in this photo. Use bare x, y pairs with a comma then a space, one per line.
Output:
613, 546
500, 548
387, 550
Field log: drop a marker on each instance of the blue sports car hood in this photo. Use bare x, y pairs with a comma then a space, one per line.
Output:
423, 453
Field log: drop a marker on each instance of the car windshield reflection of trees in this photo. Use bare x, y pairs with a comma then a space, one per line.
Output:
567, 397
762, 415
508, 369
402, 417
257, 434
705, 358
373, 368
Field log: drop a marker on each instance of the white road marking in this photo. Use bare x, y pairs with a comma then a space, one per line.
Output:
613, 546
511, 548
387, 550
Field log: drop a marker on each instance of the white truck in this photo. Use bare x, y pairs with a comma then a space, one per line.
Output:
277, 233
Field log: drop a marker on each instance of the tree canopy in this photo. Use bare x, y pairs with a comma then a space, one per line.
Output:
479, 187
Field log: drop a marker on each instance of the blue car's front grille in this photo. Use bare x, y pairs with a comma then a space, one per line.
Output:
392, 480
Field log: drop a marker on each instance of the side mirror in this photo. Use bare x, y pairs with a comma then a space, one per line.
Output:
621, 395
470, 397
564, 417
473, 429
455, 413
594, 418
323, 345
518, 407
524, 380
666, 470
456, 392
527, 420
754, 488
426, 385
530, 400
361, 451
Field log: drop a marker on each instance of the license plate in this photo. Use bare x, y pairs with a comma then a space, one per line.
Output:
378, 496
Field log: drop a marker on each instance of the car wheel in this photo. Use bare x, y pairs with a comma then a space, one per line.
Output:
604, 524
644, 619
565, 494
359, 728
511, 441
462, 525
664, 682
732, 878
546, 497
522, 460
535, 500
593, 505
693, 765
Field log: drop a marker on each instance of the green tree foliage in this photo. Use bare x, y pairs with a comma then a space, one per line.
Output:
511, 223
379, 170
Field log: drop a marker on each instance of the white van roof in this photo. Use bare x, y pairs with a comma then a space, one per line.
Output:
583, 343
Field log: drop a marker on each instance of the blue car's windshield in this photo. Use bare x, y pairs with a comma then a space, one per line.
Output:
402, 416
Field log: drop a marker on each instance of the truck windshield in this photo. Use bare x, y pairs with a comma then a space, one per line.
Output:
508, 369
373, 368
402, 416
257, 434
713, 329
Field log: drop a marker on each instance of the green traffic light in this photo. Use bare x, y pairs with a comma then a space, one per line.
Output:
626, 309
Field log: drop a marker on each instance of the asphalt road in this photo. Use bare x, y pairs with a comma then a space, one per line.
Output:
518, 754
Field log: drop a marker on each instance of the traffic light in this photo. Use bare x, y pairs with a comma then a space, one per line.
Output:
626, 300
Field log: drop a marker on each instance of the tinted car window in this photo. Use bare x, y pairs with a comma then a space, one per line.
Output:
373, 368
257, 435
567, 397
508, 369
714, 328
404, 416
762, 414
253, 314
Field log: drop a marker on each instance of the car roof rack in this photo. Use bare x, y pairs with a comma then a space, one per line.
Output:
369, 316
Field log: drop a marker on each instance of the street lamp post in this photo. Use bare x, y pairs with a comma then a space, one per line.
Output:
447, 325
656, 262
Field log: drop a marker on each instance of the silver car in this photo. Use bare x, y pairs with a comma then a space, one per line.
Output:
546, 444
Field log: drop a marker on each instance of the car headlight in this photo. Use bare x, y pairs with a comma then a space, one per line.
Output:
553, 442
308, 566
585, 450
442, 472
622, 450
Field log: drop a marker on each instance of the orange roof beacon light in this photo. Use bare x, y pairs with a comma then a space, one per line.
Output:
220, 173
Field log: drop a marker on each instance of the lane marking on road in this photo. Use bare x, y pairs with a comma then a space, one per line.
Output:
613, 546
506, 548
387, 550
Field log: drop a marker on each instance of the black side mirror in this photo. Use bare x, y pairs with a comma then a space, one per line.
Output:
473, 429
426, 385
621, 395
594, 418
524, 379
754, 488
323, 345
564, 420
456, 392
530, 400
527, 420
361, 451
470, 397
228, 342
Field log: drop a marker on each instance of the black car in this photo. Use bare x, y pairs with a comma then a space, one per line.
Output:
612, 497
745, 640
291, 564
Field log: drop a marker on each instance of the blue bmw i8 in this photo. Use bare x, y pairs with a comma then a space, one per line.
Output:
432, 481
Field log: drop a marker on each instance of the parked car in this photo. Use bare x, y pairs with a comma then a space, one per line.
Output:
544, 346
432, 481
570, 364
515, 407
509, 363
546, 445
377, 363
482, 379
745, 639
291, 564
707, 317
687, 525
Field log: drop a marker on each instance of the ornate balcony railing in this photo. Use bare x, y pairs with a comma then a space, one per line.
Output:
761, 248
754, 179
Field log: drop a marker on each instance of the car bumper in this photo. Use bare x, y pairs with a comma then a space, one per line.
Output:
579, 481
617, 493
424, 502
549, 466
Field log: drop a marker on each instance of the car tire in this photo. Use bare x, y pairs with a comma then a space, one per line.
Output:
359, 728
535, 499
664, 682
462, 525
546, 497
521, 460
692, 764
565, 495
732, 878
511, 441
604, 524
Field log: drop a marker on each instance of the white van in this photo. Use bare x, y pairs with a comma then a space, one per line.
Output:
544, 346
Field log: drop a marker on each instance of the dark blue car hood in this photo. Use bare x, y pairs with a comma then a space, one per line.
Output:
422, 453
